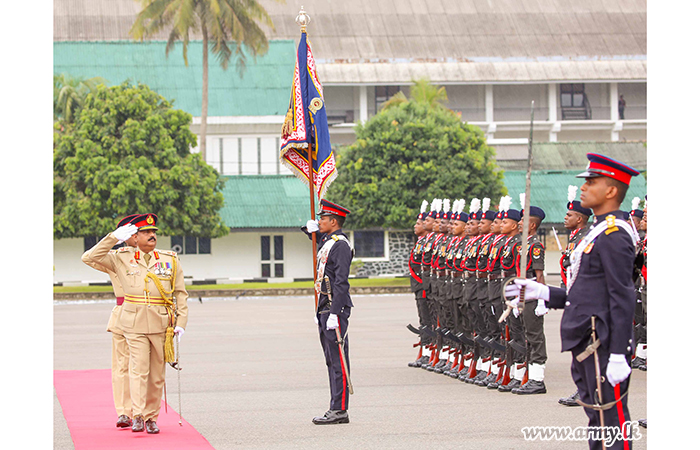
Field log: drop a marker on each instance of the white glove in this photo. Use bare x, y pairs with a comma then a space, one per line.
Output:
516, 311
312, 226
541, 308
618, 370
533, 289
332, 322
125, 232
315, 319
179, 331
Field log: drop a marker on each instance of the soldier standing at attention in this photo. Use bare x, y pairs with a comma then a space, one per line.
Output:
510, 227
120, 348
482, 286
599, 295
575, 220
414, 267
426, 257
533, 314
154, 311
334, 303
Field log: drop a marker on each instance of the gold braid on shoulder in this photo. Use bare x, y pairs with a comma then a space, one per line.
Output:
169, 348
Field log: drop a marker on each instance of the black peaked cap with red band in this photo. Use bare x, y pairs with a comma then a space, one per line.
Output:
637, 213
328, 208
127, 219
146, 221
604, 166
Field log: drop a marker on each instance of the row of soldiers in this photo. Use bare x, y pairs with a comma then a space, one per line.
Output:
458, 266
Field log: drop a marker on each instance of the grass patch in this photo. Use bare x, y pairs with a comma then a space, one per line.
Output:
358, 282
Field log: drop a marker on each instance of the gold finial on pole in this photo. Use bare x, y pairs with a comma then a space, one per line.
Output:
303, 19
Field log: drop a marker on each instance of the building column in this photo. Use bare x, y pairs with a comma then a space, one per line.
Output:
614, 116
552, 111
488, 106
364, 112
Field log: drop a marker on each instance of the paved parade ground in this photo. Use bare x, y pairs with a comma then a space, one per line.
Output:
254, 376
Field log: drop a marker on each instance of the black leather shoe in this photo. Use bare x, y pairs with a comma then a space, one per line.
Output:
643, 367
495, 384
642, 422
138, 424
570, 400
510, 386
480, 375
638, 362
531, 387
486, 381
151, 427
331, 417
123, 421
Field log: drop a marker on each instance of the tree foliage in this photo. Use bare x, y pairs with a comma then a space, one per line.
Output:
69, 94
227, 26
129, 152
412, 151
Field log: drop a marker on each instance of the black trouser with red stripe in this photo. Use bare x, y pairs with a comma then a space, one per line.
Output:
336, 373
584, 376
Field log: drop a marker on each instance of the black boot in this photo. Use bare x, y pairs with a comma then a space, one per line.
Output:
570, 400
531, 387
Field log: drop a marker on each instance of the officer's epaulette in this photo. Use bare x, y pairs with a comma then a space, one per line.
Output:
124, 249
335, 237
610, 219
168, 252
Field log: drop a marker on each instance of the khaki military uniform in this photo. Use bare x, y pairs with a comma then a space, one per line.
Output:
120, 348
144, 316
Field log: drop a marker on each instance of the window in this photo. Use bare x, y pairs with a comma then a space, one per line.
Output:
384, 93
272, 256
572, 95
190, 245
245, 155
91, 241
369, 244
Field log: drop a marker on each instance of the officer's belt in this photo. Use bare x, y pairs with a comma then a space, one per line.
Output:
141, 300
481, 274
494, 276
590, 349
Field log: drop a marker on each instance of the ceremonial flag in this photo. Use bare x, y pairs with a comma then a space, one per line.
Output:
306, 125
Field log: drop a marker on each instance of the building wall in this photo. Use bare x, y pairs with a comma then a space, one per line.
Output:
236, 257
400, 243
468, 100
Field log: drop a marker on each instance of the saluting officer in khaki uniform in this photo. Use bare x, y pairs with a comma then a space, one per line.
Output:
120, 349
154, 300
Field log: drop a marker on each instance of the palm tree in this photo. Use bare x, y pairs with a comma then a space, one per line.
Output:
69, 94
227, 28
421, 91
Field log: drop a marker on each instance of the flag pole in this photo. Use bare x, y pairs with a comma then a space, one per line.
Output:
302, 20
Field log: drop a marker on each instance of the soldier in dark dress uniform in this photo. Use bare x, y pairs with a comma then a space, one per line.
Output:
414, 268
533, 314
426, 257
509, 254
600, 292
495, 300
334, 257
471, 299
575, 220
482, 289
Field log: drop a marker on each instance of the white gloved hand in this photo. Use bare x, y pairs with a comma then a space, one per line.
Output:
179, 331
315, 319
541, 308
618, 370
312, 226
533, 289
516, 311
125, 232
332, 322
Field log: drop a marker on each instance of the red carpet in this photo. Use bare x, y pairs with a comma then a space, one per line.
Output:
86, 400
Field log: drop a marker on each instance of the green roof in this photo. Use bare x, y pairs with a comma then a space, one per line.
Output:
550, 190
265, 201
263, 90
